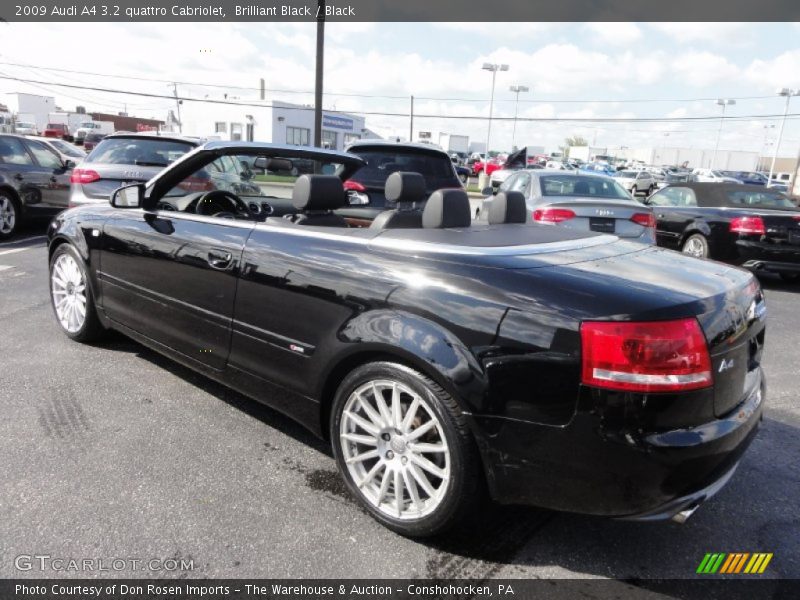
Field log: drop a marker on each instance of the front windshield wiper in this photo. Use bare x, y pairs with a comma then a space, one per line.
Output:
144, 163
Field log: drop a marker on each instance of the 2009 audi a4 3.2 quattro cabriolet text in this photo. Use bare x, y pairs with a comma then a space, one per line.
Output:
443, 359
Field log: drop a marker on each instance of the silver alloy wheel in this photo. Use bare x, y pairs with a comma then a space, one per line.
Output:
8, 215
395, 449
68, 289
694, 246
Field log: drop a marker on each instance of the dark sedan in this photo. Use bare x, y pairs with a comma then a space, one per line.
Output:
558, 368
747, 225
34, 182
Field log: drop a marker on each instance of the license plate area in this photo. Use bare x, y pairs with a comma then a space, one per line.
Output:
602, 224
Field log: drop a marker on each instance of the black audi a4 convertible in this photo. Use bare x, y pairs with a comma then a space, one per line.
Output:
442, 358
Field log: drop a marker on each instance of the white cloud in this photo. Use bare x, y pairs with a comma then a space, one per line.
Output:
713, 33
703, 69
778, 72
617, 34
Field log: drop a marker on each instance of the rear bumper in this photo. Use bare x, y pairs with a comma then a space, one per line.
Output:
597, 466
776, 258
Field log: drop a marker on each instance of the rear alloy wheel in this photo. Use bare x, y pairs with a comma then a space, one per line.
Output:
71, 296
696, 245
403, 448
8, 216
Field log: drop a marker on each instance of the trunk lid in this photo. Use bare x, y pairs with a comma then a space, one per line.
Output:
113, 176
604, 215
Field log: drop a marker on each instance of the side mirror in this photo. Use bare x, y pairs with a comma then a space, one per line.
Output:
129, 196
69, 164
488, 191
260, 163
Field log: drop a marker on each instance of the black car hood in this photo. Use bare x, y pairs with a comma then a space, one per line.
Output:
518, 159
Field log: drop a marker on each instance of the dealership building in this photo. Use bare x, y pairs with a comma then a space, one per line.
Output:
279, 123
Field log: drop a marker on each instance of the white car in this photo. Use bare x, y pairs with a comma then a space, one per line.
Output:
636, 181
25, 128
64, 149
713, 176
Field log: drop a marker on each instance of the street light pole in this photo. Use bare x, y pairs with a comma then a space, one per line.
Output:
723, 102
788, 94
516, 89
494, 68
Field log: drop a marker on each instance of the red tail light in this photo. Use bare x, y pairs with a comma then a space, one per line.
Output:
752, 225
197, 184
354, 186
644, 219
83, 176
659, 356
553, 215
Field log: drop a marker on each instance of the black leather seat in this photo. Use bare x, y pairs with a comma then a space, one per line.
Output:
405, 189
508, 207
447, 208
316, 197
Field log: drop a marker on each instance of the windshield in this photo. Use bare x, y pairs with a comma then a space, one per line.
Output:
759, 199
437, 170
88, 125
626, 174
253, 176
67, 149
143, 151
25, 125
576, 185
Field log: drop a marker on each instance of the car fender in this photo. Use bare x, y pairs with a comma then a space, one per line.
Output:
7, 187
422, 343
696, 226
66, 230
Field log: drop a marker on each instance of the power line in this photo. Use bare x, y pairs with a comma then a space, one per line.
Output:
421, 116
384, 96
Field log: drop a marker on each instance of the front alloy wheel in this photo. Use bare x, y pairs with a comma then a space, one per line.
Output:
71, 296
403, 448
8, 217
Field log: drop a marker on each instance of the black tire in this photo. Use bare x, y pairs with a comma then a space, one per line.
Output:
634, 191
91, 330
790, 277
10, 216
696, 240
464, 488
464, 179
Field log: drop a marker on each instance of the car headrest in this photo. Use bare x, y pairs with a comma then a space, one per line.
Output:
508, 207
318, 192
404, 186
447, 208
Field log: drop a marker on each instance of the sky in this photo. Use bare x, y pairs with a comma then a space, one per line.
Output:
573, 70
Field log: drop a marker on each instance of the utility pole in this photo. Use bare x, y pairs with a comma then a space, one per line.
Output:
494, 68
411, 127
178, 106
516, 89
723, 102
318, 82
786, 92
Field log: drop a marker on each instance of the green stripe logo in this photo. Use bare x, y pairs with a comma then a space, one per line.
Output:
711, 563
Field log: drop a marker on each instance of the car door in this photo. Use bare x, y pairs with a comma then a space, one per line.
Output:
674, 208
172, 276
53, 176
23, 174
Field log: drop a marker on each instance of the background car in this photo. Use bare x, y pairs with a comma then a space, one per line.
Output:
580, 201
366, 187
90, 140
636, 181
464, 173
120, 159
34, 182
748, 177
57, 130
26, 128
747, 225
713, 176
64, 149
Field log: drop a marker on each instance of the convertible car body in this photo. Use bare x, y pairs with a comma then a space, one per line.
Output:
563, 369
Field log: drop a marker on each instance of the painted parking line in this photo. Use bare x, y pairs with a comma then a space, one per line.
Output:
6, 267
15, 250
29, 242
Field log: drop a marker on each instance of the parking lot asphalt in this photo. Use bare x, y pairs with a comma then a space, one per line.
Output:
113, 451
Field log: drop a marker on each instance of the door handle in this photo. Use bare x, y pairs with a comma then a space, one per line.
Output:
219, 259
18, 177
660, 216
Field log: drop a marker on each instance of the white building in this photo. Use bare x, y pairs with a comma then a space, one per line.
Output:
280, 123
696, 158
32, 107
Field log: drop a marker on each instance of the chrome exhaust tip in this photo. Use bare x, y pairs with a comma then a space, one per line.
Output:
683, 516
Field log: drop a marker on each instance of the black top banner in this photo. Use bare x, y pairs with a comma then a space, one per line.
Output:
400, 10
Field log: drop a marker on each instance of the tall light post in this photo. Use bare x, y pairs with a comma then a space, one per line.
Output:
516, 89
723, 102
764, 144
494, 68
787, 93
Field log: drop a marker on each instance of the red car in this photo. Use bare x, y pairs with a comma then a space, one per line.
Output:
491, 167
57, 130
